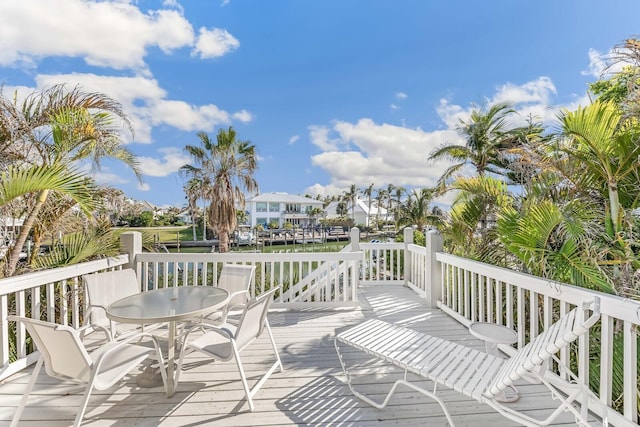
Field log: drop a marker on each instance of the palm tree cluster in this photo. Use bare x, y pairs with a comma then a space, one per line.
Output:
559, 204
44, 140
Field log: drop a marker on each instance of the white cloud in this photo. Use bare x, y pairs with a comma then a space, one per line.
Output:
294, 139
187, 117
365, 151
143, 186
382, 153
243, 116
171, 161
319, 136
394, 107
538, 91
104, 176
113, 34
214, 42
401, 95
533, 98
145, 103
603, 64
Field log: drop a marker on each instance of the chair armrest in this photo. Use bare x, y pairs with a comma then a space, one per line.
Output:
84, 328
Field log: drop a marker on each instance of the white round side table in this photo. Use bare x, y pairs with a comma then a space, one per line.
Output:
492, 335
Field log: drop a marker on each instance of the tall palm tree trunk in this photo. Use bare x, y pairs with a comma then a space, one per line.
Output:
14, 253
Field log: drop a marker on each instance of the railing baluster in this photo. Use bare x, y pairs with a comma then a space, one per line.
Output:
630, 371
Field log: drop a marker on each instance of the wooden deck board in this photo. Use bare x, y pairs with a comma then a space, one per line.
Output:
311, 390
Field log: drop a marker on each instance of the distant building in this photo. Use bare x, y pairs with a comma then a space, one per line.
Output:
184, 217
282, 208
361, 212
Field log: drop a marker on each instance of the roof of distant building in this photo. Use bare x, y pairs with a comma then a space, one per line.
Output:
285, 198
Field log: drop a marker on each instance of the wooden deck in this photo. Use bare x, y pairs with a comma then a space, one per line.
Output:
311, 390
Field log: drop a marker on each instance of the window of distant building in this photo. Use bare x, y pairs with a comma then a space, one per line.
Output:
261, 206
293, 208
274, 207
262, 221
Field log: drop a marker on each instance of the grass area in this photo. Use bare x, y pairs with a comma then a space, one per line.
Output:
167, 234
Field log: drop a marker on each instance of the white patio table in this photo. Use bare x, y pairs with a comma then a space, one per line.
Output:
168, 305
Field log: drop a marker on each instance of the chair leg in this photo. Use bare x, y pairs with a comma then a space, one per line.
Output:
25, 396
83, 405
377, 405
245, 384
273, 344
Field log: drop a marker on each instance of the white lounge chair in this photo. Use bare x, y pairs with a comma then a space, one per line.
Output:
65, 357
103, 289
475, 373
225, 342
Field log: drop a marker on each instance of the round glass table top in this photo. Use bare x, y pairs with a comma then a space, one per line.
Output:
167, 304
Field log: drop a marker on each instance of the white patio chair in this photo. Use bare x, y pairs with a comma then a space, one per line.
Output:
65, 357
474, 373
225, 342
236, 279
103, 289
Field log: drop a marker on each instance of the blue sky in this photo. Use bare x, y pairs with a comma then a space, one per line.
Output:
331, 92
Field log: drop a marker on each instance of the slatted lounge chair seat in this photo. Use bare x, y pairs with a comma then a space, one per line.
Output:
474, 373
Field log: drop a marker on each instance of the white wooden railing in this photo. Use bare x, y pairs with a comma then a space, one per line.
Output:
467, 290
305, 278
473, 291
52, 295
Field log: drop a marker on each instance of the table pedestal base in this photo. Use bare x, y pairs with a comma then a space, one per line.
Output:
150, 377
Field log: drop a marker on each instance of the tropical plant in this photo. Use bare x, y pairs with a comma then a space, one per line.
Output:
487, 133
553, 241
470, 229
226, 169
416, 210
601, 159
58, 128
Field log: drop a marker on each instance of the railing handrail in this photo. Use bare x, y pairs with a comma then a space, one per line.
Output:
612, 305
27, 281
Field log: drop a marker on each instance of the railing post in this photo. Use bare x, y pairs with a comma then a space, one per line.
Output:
132, 245
355, 239
433, 288
408, 239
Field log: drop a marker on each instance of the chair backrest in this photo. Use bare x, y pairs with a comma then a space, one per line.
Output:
235, 278
65, 356
533, 355
104, 288
253, 318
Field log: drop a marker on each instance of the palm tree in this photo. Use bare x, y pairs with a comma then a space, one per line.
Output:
416, 211
381, 196
193, 191
399, 190
351, 197
226, 168
486, 133
368, 191
389, 196
57, 127
341, 208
